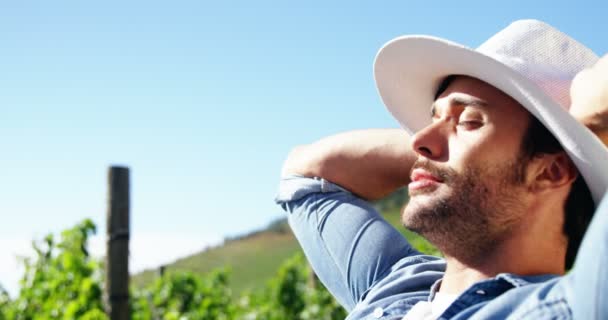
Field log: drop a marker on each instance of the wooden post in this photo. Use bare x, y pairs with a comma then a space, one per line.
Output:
313, 280
161, 270
117, 254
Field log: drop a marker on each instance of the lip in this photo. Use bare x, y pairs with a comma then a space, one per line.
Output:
421, 174
422, 179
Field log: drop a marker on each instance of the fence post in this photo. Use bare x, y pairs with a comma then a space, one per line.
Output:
117, 254
161, 270
313, 280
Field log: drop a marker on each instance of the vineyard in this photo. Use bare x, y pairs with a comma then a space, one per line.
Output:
63, 281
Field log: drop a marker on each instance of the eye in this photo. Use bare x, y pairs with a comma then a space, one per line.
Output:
470, 124
470, 119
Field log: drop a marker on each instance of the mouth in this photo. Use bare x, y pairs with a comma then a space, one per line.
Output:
422, 179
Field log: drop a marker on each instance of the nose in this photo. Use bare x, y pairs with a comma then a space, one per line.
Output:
431, 141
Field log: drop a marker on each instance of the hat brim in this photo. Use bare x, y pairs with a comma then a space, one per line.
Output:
408, 71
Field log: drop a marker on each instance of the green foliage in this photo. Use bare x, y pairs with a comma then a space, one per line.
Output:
5, 303
253, 260
189, 296
292, 295
61, 282
185, 296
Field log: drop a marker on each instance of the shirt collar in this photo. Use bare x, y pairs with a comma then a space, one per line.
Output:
515, 280
520, 281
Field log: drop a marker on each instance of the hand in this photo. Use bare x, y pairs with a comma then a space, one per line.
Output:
589, 94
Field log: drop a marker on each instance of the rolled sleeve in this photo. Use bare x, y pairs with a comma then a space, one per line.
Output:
349, 245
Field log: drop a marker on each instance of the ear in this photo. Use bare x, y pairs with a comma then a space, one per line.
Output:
551, 171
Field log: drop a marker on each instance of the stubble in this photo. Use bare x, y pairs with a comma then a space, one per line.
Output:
480, 208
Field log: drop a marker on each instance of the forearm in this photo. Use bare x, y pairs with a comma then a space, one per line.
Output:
370, 163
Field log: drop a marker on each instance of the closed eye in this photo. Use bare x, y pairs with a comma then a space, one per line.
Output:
470, 124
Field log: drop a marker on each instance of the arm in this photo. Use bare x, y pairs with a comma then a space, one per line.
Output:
370, 163
589, 93
588, 281
347, 242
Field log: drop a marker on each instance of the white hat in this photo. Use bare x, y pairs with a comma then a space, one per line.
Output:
529, 60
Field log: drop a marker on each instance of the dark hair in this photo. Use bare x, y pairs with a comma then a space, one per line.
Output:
579, 206
443, 85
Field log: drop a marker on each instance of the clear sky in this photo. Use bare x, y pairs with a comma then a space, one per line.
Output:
202, 100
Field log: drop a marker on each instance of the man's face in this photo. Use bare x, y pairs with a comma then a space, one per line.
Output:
467, 185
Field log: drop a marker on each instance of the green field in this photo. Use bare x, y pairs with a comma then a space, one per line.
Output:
254, 259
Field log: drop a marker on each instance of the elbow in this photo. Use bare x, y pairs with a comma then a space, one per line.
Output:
295, 164
304, 160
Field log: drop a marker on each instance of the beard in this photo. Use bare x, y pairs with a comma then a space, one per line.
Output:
470, 212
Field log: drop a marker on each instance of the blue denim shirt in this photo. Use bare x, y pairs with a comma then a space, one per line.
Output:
375, 274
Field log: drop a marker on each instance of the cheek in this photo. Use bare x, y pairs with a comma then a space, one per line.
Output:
487, 147
465, 151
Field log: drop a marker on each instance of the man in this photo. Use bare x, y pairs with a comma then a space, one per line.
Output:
501, 179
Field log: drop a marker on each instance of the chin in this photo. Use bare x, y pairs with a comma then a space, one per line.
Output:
419, 208
430, 211
425, 201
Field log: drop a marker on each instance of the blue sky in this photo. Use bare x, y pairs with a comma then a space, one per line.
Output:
202, 100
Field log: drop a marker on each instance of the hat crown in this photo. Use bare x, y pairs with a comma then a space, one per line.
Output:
541, 53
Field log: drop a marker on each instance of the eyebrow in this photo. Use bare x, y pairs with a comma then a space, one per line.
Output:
462, 101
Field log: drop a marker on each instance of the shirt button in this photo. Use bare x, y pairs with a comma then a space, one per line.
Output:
378, 312
480, 292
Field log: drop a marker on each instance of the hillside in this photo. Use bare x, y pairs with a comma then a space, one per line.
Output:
254, 258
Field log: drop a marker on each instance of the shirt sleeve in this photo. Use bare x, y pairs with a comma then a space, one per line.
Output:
587, 283
349, 245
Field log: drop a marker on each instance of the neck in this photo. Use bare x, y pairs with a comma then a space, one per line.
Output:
530, 249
